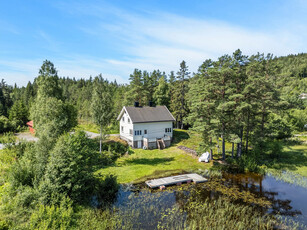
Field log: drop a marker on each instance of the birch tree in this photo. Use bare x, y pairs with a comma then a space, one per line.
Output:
102, 105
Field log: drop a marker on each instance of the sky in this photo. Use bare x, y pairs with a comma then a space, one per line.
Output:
86, 38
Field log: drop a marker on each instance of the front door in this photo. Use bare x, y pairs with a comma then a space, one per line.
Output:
139, 144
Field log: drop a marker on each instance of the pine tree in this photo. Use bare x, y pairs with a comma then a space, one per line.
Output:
202, 108
180, 108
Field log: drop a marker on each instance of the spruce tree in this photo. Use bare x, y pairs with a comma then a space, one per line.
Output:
161, 94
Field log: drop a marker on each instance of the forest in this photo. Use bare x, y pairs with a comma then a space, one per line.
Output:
250, 102
245, 100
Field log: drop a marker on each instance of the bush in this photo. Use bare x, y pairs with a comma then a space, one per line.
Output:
242, 164
298, 118
53, 216
22, 173
26, 197
70, 168
8, 139
106, 190
6, 125
115, 147
98, 219
274, 149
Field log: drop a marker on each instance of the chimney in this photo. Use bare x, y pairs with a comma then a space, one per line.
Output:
136, 104
151, 104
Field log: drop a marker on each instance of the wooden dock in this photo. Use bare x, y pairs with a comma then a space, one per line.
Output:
185, 178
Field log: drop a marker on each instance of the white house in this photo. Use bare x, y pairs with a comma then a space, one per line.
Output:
146, 126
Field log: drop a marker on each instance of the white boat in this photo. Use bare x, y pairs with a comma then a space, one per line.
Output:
204, 157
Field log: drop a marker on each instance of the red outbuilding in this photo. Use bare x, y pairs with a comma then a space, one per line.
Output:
30, 125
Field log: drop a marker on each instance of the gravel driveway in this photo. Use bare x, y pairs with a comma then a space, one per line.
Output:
26, 137
29, 137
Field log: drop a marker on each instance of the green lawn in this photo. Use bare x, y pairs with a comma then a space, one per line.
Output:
293, 158
146, 164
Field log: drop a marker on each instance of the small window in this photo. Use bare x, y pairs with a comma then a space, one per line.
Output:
122, 128
145, 131
137, 132
168, 130
123, 119
130, 131
128, 120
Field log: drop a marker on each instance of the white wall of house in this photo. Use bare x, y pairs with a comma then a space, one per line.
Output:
138, 131
154, 130
125, 125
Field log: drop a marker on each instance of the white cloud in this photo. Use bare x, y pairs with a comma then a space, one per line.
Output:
162, 41
156, 40
22, 71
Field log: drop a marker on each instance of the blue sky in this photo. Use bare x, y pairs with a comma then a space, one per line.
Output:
84, 38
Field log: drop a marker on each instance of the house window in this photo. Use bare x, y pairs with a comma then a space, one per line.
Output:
129, 120
137, 132
122, 128
130, 131
168, 130
123, 119
145, 131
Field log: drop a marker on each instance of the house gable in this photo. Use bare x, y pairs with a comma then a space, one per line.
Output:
146, 126
147, 114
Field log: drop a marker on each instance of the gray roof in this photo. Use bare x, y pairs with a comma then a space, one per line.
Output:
149, 114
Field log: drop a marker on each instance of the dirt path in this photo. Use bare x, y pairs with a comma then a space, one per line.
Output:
94, 135
25, 137
29, 137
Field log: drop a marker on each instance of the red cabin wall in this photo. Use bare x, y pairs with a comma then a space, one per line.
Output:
31, 130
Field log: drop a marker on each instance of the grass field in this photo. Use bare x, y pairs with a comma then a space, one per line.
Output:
146, 164
293, 158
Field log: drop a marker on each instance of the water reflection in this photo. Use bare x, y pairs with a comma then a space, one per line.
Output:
144, 207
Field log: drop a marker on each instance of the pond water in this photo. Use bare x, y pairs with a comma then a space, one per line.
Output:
144, 208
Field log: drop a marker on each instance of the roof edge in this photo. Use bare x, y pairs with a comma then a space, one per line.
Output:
139, 122
121, 113
170, 113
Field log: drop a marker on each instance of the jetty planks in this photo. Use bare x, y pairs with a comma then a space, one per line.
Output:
185, 178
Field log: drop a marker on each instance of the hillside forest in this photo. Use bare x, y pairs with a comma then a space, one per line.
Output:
247, 102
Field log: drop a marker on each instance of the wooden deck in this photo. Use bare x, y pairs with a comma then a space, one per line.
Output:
185, 178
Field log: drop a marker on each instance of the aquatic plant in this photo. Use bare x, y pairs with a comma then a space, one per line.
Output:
289, 177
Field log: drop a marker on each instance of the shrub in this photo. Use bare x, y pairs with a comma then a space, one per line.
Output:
8, 139
6, 125
70, 169
22, 173
106, 189
98, 219
115, 147
53, 216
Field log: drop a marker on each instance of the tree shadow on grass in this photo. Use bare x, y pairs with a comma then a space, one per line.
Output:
179, 135
148, 161
290, 159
